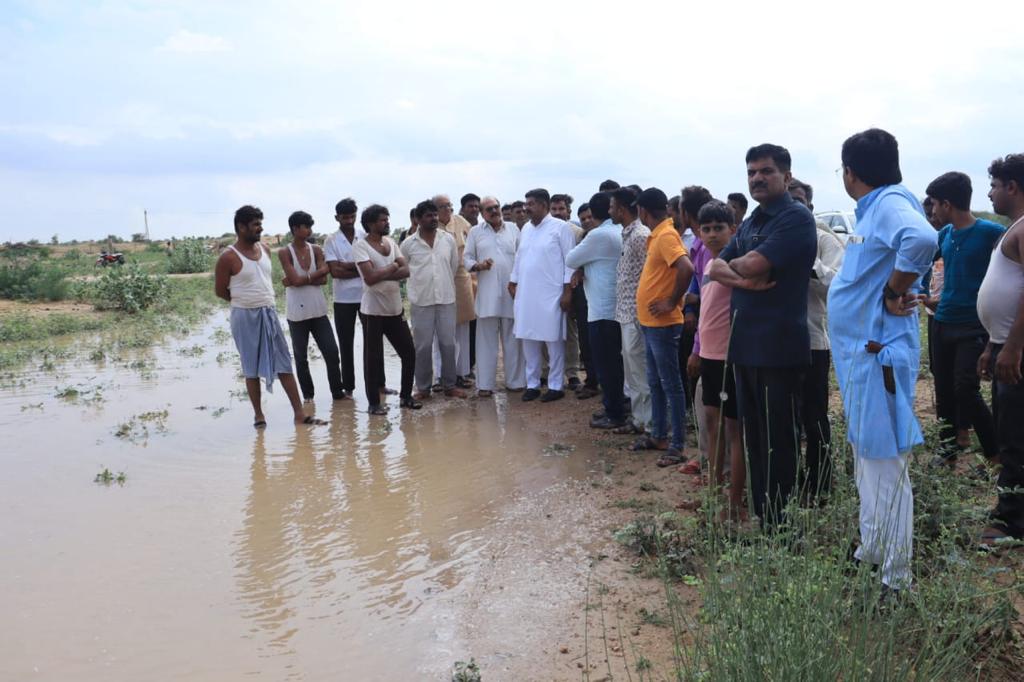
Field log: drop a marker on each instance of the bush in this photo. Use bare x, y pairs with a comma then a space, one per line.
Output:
32, 280
127, 288
139, 237
113, 238
73, 255
190, 255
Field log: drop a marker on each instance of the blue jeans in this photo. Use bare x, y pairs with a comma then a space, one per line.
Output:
662, 345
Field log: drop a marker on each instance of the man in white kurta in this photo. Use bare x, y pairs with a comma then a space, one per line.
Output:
540, 285
491, 254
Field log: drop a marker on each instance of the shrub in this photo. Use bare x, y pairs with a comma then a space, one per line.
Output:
73, 254
139, 237
190, 255
113, 238
127, 288
30, 279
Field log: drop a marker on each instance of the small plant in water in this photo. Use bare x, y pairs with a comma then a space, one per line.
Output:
558, 449
106, 477
466, 672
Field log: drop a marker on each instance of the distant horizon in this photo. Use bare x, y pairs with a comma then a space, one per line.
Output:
188, 109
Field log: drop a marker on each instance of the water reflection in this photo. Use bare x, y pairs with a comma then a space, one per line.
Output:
375, 516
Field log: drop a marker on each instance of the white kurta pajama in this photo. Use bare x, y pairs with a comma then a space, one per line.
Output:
494, 306
541, 275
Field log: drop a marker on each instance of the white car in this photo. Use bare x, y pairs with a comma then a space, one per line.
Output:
841, 222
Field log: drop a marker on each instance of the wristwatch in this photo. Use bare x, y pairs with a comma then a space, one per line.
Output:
889, 293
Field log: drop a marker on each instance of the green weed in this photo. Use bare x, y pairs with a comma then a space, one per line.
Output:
107, 477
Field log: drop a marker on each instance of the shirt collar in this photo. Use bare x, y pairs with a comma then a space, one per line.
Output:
774, 208
864, 203
665, 224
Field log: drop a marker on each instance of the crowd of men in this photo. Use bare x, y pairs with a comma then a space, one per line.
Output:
669, 304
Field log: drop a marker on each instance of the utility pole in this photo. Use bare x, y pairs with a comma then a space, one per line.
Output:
145, 219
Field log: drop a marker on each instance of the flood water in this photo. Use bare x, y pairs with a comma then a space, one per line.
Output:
368, 549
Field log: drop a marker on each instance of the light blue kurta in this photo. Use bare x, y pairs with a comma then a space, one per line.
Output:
892, 234
599, 254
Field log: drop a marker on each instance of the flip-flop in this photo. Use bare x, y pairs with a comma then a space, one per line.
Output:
377, 409
261, 424
692, 468
671, 457
628, 430
645, 443
313, 421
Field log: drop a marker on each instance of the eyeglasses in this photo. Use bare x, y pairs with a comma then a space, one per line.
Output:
492, 209
444, 205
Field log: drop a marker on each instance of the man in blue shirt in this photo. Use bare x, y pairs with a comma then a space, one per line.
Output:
598, 254
966, 245
768, 265
873, 324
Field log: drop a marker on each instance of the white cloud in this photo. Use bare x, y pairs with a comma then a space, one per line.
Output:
188, 42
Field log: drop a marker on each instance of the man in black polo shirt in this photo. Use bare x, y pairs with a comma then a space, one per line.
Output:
768, 264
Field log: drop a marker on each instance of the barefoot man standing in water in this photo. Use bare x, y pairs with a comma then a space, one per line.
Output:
242, 278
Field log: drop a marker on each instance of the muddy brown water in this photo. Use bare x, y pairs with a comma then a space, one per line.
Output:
381, 549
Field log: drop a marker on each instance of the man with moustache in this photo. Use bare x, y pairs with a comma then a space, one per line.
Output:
242, 277
540, 285
767, 265
458, 227
490, 254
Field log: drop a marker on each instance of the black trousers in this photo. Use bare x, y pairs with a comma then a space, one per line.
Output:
606, 347
345, 315
817, 472
958, 401
1009, 400
320, 328
578, 317
769, 407
686, 342
375, 328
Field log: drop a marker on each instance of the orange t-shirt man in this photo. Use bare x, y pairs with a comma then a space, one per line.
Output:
658, 278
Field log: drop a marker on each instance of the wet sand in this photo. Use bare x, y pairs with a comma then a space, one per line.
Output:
368, 549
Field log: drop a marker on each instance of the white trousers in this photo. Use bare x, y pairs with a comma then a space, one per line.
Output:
634, 365
461, 351
489, 332
886, 517
534, 355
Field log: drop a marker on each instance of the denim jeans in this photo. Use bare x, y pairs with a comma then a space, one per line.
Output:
662, 345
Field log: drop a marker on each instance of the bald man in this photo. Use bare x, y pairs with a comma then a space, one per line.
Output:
458, 227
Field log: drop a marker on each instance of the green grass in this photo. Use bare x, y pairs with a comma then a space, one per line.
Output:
188, 302
790, 605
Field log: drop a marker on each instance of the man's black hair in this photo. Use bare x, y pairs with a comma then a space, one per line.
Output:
874, 156
954, 187
246, 215
1009, 169
585, 206
466, 198
625, 196
517, 204
506, 207
608, 186
412, 213
424, 207
739, 198
808, 190
716, 211
540, 195
372, 214
599, 205
299, 218
563, 198
693, 197
779, 155
346, 207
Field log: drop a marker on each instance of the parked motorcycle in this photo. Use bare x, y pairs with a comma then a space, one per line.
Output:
106, 259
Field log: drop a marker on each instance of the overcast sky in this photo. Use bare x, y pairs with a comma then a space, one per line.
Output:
191, 108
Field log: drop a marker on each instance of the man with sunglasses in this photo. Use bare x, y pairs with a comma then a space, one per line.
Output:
491, 254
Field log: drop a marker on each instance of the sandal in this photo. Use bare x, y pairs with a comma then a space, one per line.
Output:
628, 429
261, 424
410, 403
645, 443
484, 393
377, 409
313, 421
670, 458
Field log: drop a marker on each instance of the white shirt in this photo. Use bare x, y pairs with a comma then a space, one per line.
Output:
338, 248
431, 269
492, 297
541, 276
826, 266
385, 297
